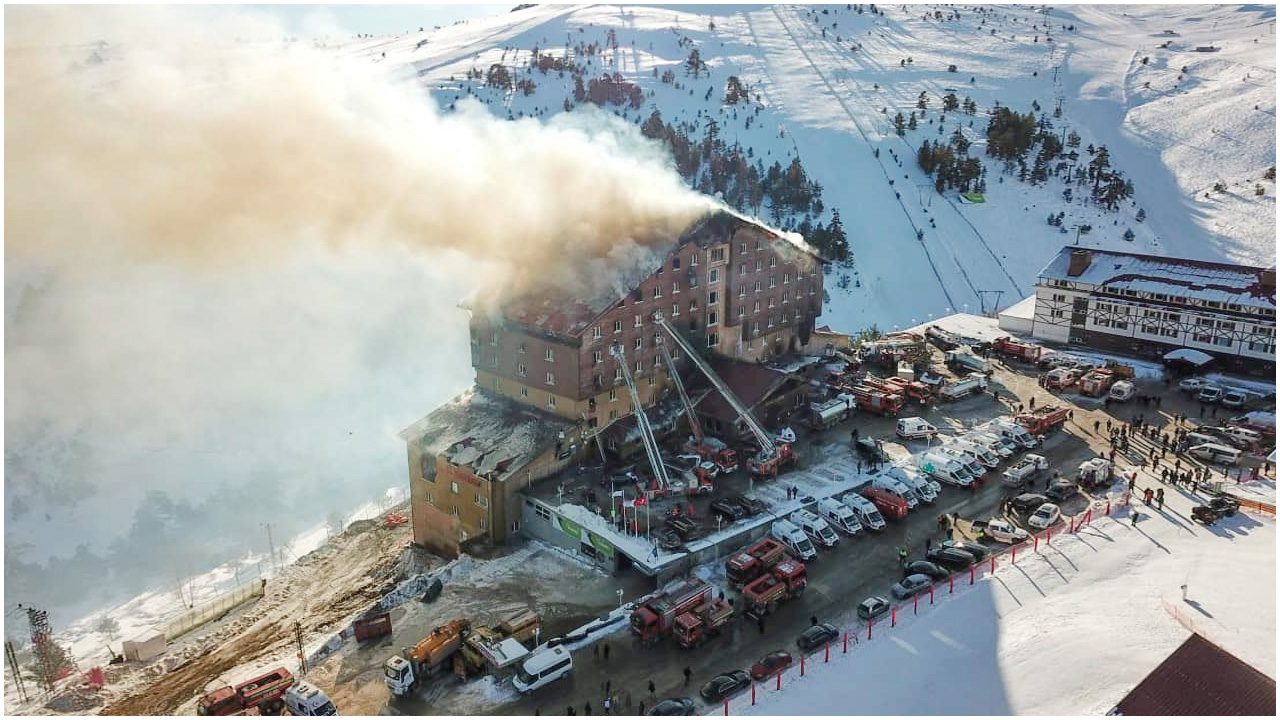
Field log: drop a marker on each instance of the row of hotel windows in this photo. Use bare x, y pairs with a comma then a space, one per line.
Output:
1206, 330
1163, 297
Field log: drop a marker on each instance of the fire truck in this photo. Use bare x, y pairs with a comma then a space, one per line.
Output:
703, 622
713, 450
1097, 383
894, 385
1042, 420
784, 581
656, 618
263, 695
1026, 352
753, 562
876, 401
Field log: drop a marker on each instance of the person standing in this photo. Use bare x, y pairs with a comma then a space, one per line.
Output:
1160, 499
928, 544
688, 674
653, 689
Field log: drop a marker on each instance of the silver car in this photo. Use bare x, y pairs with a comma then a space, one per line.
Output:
911, 585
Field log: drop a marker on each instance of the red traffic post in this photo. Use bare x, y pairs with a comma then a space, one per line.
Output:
802, 666
826, 658
753, 693
893, 617
951, 580
868, 629
1036, 545
930, 594
1014, 558
846, 642
726, 707
1072, 526
973, 572
1108, 506
915, 608
1048, 536
779, 680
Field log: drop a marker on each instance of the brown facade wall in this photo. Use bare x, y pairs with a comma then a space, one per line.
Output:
505, 350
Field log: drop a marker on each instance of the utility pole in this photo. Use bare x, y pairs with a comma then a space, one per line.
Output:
275, 565
302, 653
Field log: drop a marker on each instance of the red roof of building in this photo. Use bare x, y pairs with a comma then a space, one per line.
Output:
1200, 678
753, 384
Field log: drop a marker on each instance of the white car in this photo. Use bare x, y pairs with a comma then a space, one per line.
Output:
1191, 386
1044, 516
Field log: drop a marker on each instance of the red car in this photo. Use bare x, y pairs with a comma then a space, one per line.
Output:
770, 664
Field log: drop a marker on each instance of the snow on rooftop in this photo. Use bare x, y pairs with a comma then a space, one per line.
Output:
1024, 308
1231, 284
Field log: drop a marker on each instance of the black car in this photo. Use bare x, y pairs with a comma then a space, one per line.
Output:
722, 686
433, 590
817, 636
750, 505
674, 706
1062, 490
1028, 502
924, 567
977, 550
953, 559
727, 509
871, 449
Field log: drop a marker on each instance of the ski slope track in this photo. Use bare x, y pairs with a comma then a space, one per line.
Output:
830, 98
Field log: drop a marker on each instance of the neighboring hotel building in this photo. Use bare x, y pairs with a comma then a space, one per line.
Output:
1148, 305
546, 382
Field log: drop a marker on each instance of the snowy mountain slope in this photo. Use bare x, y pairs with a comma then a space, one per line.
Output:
815, 95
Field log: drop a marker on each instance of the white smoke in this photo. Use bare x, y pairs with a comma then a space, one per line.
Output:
234, 264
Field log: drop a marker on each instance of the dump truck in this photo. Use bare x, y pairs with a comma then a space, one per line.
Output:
875, 401
753, 562
1024, 351
786, 580
263, 694
656, 618
403, 672
698, 625
974, 383
1042, 419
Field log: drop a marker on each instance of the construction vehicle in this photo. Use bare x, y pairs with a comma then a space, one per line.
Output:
958, 361
975, 382
876, 402
773, 454
708, 448
1096, 383
784, 581
656, 618
944, 339
263, 694
1120, 370
403, 672
696, 626
892, 349
1042, 419
753, 562
1026, 352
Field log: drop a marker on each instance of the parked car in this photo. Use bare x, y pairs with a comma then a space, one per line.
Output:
724, 685
817, 636
1061, 490
977, 550
1234, 399
911, 585
1044, 516
770, 664
953, 559
674, 706
1192, 385
872, 608
924, 567
1209, 394
1027, 502
727, 509
750, 504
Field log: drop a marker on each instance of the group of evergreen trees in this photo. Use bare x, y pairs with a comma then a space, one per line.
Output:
950, 165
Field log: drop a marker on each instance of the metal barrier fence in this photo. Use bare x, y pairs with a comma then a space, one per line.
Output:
213, 610
852, 637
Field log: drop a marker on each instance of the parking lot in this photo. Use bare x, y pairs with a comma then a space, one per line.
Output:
841, 577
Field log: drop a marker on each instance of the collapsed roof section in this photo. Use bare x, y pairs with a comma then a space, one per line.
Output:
492, 436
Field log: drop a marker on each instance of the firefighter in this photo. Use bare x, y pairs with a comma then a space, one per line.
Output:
902, 557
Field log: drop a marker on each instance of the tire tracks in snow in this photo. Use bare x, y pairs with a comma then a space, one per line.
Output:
838, 60
853, 118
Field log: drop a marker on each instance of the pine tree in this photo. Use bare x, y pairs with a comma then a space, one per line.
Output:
1142, 215
899, 123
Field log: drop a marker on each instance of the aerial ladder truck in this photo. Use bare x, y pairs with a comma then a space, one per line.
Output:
708, 448
773, 454
642, 423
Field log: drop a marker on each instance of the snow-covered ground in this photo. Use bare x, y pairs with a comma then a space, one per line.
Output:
1068, 630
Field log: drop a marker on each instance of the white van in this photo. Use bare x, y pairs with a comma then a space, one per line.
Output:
977, 451
866, 511
925, 489
1015, 432
304, 699
894, 486
1195, 438
794, 538
967, 459
1252, 438
1001, 447
944, 469
839, 516
1221, 454
1122, 391
543, 668
914, 428
816, 528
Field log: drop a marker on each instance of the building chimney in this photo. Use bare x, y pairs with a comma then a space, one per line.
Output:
1267, 279
1080, 261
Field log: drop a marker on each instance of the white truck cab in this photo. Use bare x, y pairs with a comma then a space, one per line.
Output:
786, 532
996, 444
839, 515
815, 528
1121, 391
303, 699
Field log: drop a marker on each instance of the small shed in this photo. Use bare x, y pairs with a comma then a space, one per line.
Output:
148, 645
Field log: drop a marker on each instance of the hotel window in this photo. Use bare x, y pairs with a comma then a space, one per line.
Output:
742, 311
551, 400
742, 290
755, 307
772, 302
595, 332
549, 355
757, 288
617, 326
786, 296
481, 500
657, 291
639, 367
617, 373
675, 310
693, 305
675, 288
742, 247
596, 357
759, 265
522, 349
713, 340
493, 338
613, 395
454, 487
454, 512
742, 269
712, 319
613, 415
786, 278
524, 392
639, 343
773, 281
551, 378
717, 254
638, 322
755, 326
675, 263
521, 370
484, 524
493, 360
773, 262
693, 259
713, 297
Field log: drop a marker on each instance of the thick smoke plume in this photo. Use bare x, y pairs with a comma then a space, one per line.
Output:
232, 266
